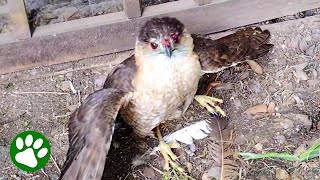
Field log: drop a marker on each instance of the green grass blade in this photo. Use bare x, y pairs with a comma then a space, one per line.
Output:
285, 156
312, 152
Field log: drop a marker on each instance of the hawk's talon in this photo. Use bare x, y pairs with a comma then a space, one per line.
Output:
210, 104
169, 156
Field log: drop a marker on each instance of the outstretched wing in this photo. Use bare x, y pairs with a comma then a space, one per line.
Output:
91, 128
246, 44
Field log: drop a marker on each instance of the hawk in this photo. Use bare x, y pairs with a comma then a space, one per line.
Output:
155, 84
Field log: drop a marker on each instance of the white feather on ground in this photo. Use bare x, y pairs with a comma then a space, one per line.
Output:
197, 131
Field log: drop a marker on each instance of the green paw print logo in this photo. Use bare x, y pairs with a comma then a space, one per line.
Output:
30, 151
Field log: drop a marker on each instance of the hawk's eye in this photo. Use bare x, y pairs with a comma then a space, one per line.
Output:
175, 38
154, 45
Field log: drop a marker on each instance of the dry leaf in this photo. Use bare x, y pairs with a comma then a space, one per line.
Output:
255, 66
282, 174
261, 108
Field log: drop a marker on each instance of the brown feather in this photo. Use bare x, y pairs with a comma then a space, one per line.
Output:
91, 128
216, 55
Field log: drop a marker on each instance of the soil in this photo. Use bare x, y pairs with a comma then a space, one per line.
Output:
41, 99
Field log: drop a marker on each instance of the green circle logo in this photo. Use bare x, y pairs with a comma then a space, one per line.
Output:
30, 151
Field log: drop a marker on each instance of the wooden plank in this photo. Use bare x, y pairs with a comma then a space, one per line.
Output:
132, 8
202, 2
4, 9
7, 38
19, 19
64, 46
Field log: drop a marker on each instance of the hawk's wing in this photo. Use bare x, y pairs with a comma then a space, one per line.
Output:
91, 128
216, 55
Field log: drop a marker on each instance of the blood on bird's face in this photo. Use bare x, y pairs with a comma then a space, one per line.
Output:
167, 44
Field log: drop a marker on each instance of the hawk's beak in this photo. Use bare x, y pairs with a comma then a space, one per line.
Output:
167, 47
168, 51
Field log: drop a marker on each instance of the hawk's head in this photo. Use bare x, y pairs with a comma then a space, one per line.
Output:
163, 36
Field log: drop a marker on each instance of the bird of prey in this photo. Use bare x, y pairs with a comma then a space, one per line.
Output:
156, 84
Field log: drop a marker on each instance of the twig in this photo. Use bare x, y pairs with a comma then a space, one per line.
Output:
41, 92
42, 170
156, 169
46, 119
55, 163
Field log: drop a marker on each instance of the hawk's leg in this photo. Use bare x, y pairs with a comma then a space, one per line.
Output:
169, 156
210, 104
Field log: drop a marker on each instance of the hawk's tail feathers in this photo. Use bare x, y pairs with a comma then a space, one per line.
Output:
91, 129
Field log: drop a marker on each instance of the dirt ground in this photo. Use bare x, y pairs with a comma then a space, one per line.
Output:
41, 99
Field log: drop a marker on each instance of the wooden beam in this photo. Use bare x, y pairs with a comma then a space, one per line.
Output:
119, 34
132, 8
8, 37
4, 9
18, 17
202, 2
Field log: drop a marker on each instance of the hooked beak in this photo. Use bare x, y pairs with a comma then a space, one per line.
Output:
168, 51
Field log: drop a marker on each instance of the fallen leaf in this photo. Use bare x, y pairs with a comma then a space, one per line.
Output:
282, 174
259, 147
261, 108
255, 66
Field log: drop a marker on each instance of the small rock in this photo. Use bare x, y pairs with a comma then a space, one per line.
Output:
149, 172
3, 178
280, 139
22, 173
308, 38
282, 174
302, 148
271, 107
318, 125
283, 123
303, 119
33, 72
69, 75
53, 177
237, 103
299, 73
259, 147
65, 86
261, 108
